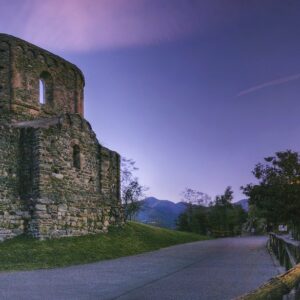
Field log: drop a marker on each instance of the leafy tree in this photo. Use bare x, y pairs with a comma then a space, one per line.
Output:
131, 190
226, 198
236, 218
221, 217
194, 219
183, 223
277, 195
191, 196
220, 213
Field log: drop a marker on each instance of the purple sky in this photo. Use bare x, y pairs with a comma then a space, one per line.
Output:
196, 92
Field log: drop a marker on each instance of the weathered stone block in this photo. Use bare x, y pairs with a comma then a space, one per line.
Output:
57, 176
42, 207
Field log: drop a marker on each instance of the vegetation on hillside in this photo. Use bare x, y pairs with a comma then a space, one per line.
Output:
220, 218
23, 253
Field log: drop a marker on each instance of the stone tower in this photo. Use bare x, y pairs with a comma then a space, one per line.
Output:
55, 177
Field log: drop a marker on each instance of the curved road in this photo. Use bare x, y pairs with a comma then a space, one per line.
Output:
216, 269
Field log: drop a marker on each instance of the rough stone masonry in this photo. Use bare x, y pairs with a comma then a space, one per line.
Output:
55, 178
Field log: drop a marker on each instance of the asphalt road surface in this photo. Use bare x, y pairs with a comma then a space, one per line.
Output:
215, 269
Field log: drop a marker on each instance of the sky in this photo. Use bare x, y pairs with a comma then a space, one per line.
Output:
195, 91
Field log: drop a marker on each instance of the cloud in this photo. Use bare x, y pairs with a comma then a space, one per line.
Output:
268, 84
84, 25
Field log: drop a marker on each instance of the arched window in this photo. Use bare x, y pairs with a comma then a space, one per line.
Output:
42, 91
76, 157
45, 88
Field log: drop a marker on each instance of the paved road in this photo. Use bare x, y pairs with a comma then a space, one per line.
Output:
216, 269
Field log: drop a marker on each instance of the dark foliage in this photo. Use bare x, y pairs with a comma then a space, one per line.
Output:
276, 197
221, 218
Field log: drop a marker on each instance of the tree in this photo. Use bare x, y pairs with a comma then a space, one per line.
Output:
191, 196
131, 190
222, 218
226, 198
277, 194
194, 219
219, 216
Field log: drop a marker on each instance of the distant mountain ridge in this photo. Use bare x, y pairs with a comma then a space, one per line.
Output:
244, 203
162, 213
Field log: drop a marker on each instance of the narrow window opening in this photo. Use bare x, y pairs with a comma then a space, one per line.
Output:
42, 91
76, 157
45, 89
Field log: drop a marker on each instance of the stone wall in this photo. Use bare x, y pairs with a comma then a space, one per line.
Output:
55, 177
13, 210
68, 198
5, 77
22, 66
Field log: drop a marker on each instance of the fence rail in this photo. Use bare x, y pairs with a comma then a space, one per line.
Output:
286, 250
285, 286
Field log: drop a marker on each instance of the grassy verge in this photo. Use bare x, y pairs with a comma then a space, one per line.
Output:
24, 253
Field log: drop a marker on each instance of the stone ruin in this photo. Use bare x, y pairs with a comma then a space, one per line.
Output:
55, 178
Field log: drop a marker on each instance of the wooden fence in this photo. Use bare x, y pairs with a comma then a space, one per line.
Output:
287, 285
287, 251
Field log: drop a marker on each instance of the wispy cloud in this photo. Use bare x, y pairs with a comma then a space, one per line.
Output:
83, 25
268, 84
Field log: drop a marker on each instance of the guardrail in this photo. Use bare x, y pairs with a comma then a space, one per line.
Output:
287, 285
287, 251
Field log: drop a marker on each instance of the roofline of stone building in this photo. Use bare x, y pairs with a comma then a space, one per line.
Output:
7, 37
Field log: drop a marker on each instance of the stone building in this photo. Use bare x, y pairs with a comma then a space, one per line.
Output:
55, 177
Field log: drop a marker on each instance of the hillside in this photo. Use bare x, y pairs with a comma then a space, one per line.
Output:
162, 213
24, 253
243, 203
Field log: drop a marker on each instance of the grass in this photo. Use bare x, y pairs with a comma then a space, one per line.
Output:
25, 253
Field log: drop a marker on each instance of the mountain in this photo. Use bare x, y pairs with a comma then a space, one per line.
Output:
162, 213
244, 204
